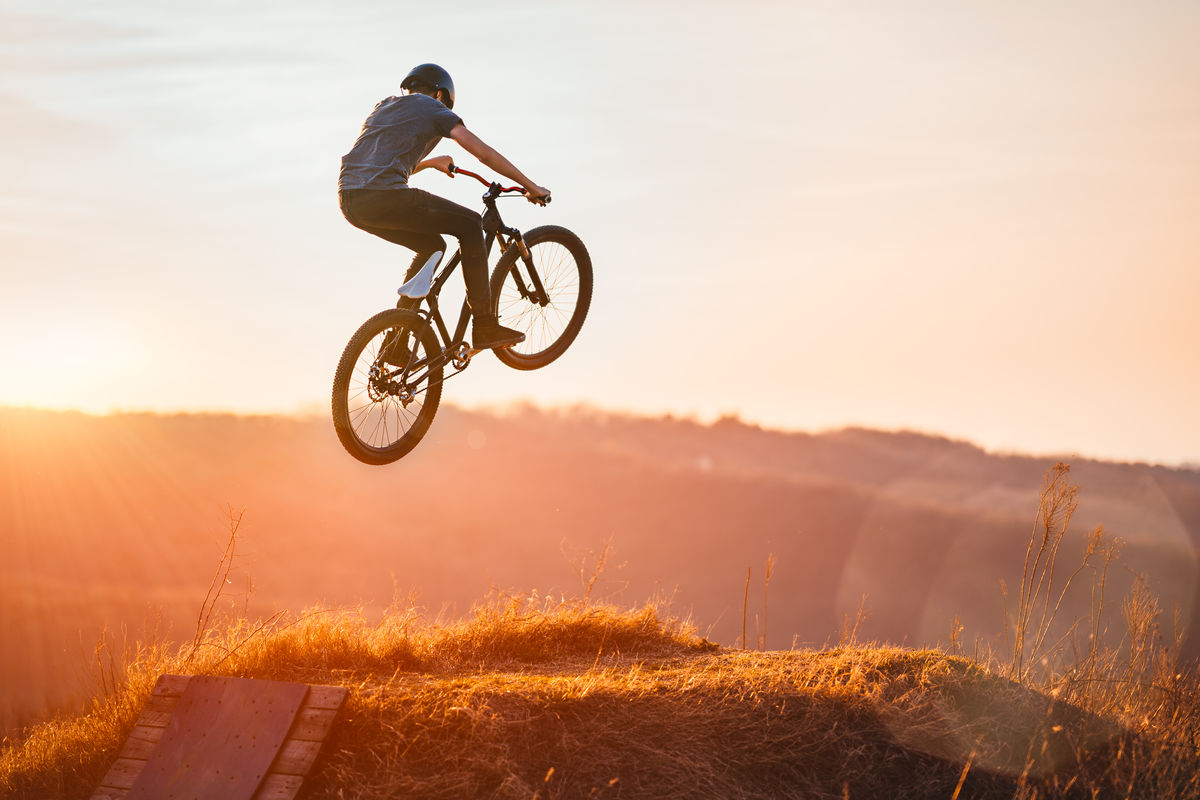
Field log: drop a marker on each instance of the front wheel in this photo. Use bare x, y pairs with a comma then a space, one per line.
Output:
547, 300
384, 402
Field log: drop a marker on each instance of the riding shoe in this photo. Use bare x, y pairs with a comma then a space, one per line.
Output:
488, 334
395, 350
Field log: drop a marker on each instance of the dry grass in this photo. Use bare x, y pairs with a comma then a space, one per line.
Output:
527, 699
67, 757
530, 698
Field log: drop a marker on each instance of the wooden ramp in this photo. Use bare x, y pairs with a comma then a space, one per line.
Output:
204, 738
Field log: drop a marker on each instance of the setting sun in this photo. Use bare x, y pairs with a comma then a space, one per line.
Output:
85, 360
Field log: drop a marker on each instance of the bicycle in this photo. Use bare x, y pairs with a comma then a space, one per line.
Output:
541, 285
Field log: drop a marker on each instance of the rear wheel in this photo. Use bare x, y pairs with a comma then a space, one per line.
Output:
380, 409
548, 305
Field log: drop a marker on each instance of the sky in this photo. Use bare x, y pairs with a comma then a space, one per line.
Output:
971, 219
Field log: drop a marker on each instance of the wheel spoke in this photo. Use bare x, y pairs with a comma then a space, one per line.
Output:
542, 325
373, 415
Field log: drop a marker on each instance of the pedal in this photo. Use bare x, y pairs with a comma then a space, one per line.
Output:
462, 356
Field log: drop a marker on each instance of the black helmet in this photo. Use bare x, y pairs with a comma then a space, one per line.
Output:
430, 76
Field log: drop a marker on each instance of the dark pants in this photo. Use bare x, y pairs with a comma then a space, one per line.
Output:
415, 219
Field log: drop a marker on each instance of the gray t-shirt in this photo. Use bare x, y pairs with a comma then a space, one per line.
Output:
396, 137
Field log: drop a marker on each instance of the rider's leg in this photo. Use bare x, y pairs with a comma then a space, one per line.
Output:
416, 211
467, 227
365, 210
396, 349
424, 245
398, 215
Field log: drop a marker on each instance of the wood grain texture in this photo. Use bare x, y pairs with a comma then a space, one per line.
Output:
141, 742
313, 724
279, 787
171, 685
157, 711
123, 773
109, 793
296, 757
326, 696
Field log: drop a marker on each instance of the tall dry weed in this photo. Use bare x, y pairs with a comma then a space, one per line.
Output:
1034, 639
1138, 682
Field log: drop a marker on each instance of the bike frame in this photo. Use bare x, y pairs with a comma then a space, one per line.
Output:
454, 348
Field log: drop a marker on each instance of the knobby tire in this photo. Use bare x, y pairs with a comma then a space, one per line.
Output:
377, 428
565, 269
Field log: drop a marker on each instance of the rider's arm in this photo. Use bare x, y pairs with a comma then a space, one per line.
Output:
441, 163
491, 158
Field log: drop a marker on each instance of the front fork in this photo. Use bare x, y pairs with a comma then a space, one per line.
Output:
536, 294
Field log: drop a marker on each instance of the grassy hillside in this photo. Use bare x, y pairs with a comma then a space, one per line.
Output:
116, 522
526, 699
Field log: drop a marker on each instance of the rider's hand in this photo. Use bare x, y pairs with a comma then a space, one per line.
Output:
442, 164
538, 195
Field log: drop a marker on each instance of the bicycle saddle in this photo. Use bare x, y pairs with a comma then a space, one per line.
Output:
422, 282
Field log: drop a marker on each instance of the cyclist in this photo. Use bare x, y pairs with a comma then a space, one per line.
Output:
374, 194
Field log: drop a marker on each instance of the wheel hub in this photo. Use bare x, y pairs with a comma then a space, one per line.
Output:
379, 387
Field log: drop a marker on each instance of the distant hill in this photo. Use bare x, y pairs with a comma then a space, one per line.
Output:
119, 521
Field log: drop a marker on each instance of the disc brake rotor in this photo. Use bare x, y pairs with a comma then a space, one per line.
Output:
379, 388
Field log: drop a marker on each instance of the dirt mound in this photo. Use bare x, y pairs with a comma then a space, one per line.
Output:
528, 700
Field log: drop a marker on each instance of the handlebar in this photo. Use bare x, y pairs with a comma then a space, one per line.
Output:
491, 184
484, 180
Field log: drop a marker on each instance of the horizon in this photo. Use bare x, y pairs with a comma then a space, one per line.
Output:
972, 222
317, 413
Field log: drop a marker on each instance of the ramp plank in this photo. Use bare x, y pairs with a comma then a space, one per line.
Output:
296, 757
171, 685
157, 711
123, 773
313, 724
326, 697
279, 787
221, 740
292, 759
109, 793
141, 742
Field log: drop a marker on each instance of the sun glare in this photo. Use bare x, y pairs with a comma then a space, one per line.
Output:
79, 363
